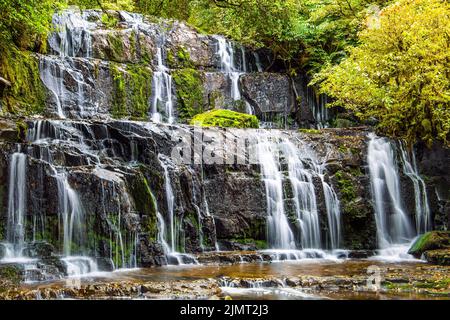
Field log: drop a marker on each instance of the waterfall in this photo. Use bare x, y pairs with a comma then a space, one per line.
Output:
170, 205
16, 205
170, 244
394, 229
280, 235
276, 153
71, 215
304, 197
423, 214
162, 90
228, 66
72, 37
332, 205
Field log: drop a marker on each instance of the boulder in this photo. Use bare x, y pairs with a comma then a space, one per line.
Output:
440, 256
432, 240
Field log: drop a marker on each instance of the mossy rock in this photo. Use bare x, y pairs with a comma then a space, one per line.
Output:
11, 272
26, 95
440, 256
179, 57
225, 118
189, 89
132, 85
432, 240
310, 131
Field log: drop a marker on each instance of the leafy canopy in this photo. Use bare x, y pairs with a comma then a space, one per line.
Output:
399, 75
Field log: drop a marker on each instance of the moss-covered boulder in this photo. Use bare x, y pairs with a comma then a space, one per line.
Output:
440, 256
433, 240
225, 118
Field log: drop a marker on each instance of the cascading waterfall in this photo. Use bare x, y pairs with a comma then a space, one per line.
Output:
162, 89
423, 214
332, 205
72, 38
280, 235
228, 66
304, 197
303, 168
394, 229
16, 205
170, 244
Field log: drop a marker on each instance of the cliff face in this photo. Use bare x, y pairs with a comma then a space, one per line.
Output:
103, 181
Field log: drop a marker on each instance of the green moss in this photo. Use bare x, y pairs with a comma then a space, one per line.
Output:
116, 48
179, 58
108, 21
26, 95
119, 108
139, 87
259, 244
22, 129
346, 186
189, 89
310, 131
132, 90
225, 118
11, 273
430, 241
145, 204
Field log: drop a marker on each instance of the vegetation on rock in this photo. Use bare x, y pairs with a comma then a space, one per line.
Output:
225, 118
432, 240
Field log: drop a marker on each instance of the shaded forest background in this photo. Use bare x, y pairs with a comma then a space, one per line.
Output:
384, 61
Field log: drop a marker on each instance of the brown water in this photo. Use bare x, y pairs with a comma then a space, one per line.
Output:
279, 270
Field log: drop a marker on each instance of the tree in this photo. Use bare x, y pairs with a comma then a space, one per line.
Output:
400, 74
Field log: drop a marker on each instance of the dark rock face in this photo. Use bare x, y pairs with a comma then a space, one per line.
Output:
268, 93
434, 165
115, 169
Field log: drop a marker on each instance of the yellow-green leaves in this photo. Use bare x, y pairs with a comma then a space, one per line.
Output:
400, 73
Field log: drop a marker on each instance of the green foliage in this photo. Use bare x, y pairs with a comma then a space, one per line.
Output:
24, 23
26, 95
225, 118
189, 89
179, 58
108, 21
430, 241
345, 186
399, 75
132, 90
173, 9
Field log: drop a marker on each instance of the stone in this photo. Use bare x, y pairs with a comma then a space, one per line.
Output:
269, 94
430, 241
440, 256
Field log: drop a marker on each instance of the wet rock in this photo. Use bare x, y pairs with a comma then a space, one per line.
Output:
361, 254
39, 249
269, 94
440, 257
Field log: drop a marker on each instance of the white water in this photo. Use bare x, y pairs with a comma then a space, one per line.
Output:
72, 37
162, 90
16, 206
228, 66
170, 244
423, 213
280, 235
302, 168
394, 229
